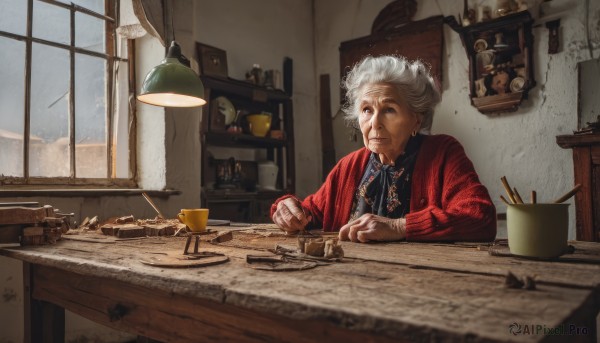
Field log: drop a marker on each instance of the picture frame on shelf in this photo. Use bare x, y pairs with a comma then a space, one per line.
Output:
212, 61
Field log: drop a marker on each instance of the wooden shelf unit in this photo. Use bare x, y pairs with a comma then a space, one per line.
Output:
246, 203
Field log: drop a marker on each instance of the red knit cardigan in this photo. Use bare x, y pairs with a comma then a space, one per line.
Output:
448, 203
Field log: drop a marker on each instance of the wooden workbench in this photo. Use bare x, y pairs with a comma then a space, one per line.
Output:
379, 292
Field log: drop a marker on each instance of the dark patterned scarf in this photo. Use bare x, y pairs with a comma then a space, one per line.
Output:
385, 189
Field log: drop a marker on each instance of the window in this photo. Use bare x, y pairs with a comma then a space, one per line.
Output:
64, 110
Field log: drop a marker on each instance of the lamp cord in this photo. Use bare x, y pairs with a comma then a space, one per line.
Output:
168, 23
172, 23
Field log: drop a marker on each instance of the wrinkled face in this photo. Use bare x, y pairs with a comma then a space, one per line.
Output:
385, 121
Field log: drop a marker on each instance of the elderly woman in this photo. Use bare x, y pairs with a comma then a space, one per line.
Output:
403, 184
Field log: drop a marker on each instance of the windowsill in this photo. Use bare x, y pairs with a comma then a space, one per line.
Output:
89, 192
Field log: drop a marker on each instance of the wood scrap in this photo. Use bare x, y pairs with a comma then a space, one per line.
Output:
314, 247
93, 223
109, 229
89, 224
39, 235
333, 249
320, 247
174, 259
164, 229
24, 215
84, 223
151, 227
222, 237
511, 281
125, 219
527, 282
129, 231
31, 225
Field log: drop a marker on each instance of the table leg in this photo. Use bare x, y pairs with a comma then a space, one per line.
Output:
44, 321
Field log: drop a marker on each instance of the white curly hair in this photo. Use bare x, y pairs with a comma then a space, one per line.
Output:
412, 80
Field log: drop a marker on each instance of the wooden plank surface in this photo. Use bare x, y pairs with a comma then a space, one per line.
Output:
425, 291
470, 259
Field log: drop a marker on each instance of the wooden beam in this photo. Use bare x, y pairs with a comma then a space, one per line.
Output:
327, 142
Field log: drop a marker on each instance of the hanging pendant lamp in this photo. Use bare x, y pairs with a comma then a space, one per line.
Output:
172, 84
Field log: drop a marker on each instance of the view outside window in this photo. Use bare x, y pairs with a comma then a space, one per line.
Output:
78, 88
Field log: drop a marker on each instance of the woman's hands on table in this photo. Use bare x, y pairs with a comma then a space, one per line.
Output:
370, 227
290, 216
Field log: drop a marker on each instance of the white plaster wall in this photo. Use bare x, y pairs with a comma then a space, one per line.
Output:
151, 119
520, 145
264, 32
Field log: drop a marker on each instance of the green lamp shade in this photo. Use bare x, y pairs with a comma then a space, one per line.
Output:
172, 84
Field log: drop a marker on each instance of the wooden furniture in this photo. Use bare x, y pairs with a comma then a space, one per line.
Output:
380, 292
243, 201
421, 40
586, 161
499, 52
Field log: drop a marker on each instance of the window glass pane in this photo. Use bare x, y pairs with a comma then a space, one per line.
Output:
13, 16
90, 116
51, 22
93, 5
49, 146
12, 94
121, 123
89, 32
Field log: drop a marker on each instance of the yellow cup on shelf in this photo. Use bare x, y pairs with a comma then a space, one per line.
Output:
196, 219
259, 124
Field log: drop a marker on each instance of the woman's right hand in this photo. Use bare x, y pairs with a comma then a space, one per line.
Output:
290, 216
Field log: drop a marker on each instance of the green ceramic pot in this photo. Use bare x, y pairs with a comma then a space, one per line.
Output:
537, 230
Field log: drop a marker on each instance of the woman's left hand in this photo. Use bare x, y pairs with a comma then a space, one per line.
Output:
370, 227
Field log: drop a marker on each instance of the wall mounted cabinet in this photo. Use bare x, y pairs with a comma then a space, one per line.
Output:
230, 188
500, 61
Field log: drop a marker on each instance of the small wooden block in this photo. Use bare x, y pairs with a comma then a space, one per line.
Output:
33, 231
125, 219
159, 229
314, 247
109, 230
130, 231
222, 237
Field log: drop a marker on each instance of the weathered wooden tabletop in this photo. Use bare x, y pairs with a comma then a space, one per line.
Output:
392, 291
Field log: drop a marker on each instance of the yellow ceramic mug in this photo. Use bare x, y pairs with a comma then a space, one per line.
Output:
195, 219
259, 124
